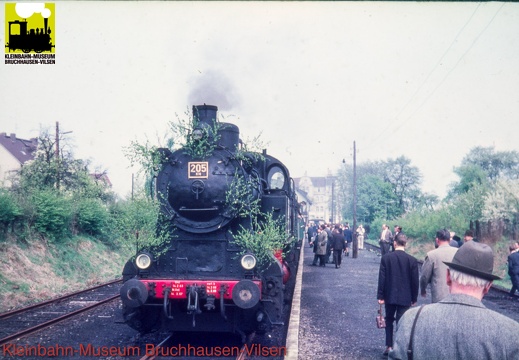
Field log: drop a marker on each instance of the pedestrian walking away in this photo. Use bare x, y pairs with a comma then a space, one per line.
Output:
338, 245
397, 285
434, 271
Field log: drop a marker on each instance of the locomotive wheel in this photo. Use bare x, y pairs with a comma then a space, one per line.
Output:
26, 50
142, 319
38, 51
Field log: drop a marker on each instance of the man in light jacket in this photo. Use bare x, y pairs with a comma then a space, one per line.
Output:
434, 271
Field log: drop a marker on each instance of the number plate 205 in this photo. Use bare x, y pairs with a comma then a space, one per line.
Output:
198, 170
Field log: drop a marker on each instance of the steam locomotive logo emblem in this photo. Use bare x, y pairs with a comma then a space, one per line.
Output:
29, 28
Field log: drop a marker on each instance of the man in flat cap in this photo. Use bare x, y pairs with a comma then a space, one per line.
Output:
459, 326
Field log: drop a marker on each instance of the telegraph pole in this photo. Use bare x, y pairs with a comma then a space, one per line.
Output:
355, 241
58, 134
57, 155
333, 201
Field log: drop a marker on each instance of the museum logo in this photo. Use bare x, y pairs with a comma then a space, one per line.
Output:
30, 33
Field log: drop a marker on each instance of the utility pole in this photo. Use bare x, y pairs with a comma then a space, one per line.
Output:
58, 166
333, 201
355, 241
57, 155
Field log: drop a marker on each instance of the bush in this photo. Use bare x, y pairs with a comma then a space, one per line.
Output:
134, 223
52, 215
92, 217
9, 210
422, 225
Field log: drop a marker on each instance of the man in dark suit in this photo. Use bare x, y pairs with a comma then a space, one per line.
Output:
398, 284
398, 230
338, 245
348, 236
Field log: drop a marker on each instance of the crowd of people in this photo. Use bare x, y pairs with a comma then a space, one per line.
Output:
458, 274
328, 240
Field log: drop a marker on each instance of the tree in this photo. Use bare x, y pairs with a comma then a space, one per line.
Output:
53, 195
471, 175
385, 189
483, 172
503, 201
496, 164
46, 172
423, 202
405, 180
375, 199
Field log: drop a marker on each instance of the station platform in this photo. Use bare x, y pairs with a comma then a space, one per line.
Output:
333, 310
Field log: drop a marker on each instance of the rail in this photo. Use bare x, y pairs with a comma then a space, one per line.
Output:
26, 330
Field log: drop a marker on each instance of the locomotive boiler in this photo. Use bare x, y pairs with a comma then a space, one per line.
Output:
204, 279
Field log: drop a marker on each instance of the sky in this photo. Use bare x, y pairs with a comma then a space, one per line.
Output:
428, 81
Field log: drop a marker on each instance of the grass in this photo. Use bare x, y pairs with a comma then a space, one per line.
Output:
35, 271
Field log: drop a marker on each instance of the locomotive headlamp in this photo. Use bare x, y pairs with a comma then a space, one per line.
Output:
248, 261
143, 261
198, 134
276, 178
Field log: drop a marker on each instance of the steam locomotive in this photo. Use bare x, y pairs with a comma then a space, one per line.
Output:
204, 279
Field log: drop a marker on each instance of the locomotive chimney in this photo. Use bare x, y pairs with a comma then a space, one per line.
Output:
45, 22
205, 114
229, 134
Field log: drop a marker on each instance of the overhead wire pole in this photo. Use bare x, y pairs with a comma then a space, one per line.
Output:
57, 155
58, 165
355, 240
333, 201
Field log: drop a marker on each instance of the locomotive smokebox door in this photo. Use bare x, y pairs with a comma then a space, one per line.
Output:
193, 191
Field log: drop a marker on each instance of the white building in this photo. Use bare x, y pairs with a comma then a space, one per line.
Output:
322, 198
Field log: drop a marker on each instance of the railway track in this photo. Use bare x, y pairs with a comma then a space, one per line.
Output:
229, 348
25, 321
